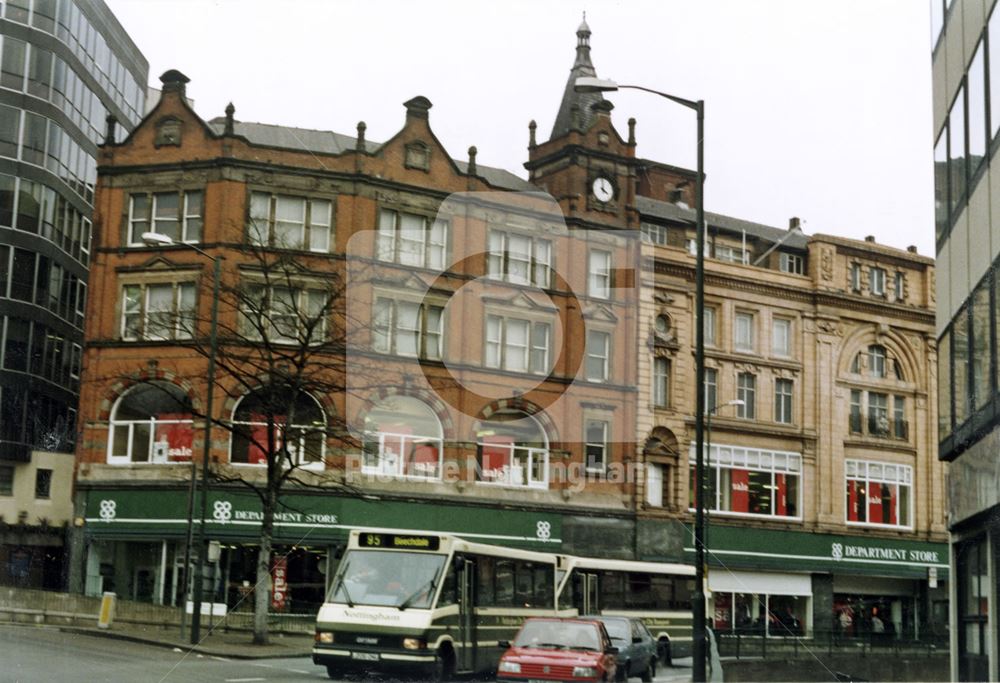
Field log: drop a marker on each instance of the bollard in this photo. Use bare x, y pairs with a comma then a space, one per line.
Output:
107, 614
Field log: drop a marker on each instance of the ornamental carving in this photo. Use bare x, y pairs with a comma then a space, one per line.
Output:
826, 264
830, 327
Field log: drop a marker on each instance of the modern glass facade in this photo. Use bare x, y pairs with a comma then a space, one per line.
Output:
966, 77
65, 67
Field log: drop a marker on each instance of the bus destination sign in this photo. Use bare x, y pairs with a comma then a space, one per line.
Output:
399, 541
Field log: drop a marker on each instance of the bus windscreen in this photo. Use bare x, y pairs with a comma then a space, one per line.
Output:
387, 579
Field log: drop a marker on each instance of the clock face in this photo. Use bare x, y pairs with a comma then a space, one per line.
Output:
603, 190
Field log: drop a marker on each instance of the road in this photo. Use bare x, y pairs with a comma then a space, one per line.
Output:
40, 655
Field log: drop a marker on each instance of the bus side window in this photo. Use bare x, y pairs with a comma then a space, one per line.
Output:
449, 587
485, 594
524, 593
504, 583
612, 586
544, 586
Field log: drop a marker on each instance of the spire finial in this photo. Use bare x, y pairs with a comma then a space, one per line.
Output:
531, 134
230, 126
362, 127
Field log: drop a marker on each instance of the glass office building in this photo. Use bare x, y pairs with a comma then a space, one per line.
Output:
966, 78
66, 66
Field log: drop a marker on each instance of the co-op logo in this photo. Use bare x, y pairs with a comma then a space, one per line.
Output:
222, 511
837, 551
486, 308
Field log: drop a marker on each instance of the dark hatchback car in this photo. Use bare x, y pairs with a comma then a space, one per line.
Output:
551, 649
636, 646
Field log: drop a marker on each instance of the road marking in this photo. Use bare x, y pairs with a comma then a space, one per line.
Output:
243, 680
221, 659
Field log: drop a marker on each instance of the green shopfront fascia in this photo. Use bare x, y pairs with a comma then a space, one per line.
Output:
135, 539
782, 582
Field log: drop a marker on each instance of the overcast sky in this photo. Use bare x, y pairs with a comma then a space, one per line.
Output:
814, 108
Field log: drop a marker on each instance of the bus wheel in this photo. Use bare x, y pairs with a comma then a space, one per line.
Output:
664, 653
444, 664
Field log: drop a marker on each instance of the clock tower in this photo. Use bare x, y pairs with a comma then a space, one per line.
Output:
586, 164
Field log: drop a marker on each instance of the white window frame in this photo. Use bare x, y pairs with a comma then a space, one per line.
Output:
392, 235
296, 451
884, 474
781, 340
307, 299
386, 335
876, 281
654, 233
143, 312
130, 425
501, 259
710, 325
499, 353
599, 267
661, 382
186, 219
730, 254
316, 224
725, 456
900, 285
855, 275
743, 332
602, 444
605, 359
791, 263
746, 391
784, 401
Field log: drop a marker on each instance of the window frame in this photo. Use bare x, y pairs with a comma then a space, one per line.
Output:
866, 472
310, 226
784, 397
661, 373
503, 346
784, 350
179, 288
392, 331
43, 483
876, 281
498, 259
268, 313
186, 221
599, 280
389, 238
605, 375
743, 345
739, 458
603, 445
746, 391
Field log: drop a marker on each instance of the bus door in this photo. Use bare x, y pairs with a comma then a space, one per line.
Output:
467, 650
590, 593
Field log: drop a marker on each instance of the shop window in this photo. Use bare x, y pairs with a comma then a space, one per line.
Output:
411, 239
748, 481
878, 493
760, 614
289, 222
151, 423
260, 428
513, 450
520, 259
403, 437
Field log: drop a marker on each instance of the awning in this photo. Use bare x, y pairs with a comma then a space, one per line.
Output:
771, 583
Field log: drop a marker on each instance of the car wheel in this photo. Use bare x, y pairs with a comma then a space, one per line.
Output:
650, 672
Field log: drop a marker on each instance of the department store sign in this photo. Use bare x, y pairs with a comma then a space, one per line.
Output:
839, 551
159, 514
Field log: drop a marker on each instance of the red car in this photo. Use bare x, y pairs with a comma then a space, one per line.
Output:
558, 650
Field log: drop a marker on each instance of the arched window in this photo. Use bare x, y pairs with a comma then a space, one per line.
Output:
151, 423
403, 437
513, 450
259, 412
877, 360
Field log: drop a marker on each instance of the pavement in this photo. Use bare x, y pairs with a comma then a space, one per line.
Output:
214, 642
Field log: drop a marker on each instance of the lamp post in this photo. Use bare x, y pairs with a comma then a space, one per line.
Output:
591, 84
156, 239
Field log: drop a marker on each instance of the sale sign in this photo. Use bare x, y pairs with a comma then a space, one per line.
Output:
279, 584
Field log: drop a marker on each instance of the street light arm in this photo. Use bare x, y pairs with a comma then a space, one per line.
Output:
690, 104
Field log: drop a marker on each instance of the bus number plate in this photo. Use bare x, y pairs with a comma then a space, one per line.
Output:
366, 656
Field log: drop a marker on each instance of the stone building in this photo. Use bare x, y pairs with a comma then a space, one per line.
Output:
562, 304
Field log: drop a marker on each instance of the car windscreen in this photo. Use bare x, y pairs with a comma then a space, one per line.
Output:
617, 629
559, 635
387, 578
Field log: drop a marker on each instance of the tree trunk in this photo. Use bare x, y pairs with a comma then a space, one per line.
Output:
262, 592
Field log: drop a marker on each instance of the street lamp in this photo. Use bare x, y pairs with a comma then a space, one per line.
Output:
592, 84
156, 239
